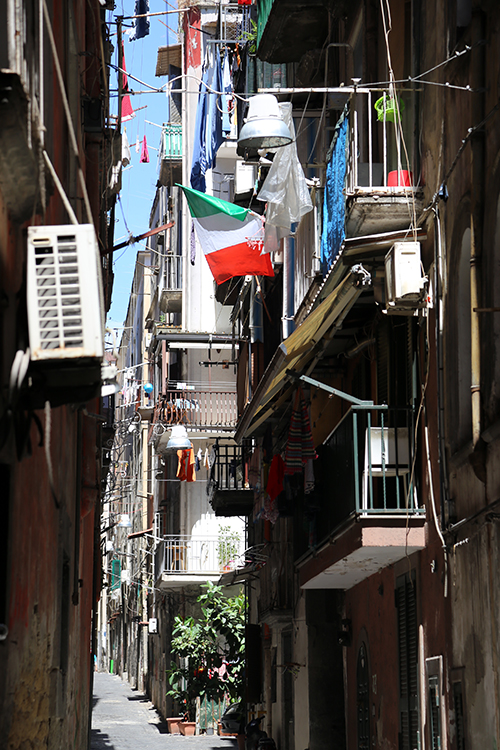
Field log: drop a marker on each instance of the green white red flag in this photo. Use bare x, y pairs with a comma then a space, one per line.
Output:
231, 237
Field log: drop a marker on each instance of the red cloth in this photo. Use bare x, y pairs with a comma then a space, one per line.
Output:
185, 468
275, 479
127, 110
144, 153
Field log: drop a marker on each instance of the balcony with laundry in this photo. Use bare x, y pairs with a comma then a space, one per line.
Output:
181, 560
200, 411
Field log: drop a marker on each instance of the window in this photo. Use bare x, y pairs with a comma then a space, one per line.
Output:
363, 699
458, 705
434, 668
406, 603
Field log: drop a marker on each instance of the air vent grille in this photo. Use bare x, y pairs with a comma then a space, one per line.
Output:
64, 292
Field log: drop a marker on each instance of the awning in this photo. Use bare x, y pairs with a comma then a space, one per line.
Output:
171, 55
300, 352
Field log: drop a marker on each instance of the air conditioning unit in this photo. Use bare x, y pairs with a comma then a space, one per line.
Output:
65, 311
404, 281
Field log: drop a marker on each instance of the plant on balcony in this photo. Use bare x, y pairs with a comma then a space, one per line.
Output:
210, 651
227, 546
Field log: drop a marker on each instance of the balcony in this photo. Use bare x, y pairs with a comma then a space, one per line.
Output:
230, 494
197, 410
170, 154
373, 517
171, 293
289, 28
380, 190
181, 560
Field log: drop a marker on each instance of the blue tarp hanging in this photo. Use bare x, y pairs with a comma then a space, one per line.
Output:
334, 197
141, 25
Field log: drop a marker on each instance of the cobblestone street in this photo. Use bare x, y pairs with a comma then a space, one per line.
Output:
124, 719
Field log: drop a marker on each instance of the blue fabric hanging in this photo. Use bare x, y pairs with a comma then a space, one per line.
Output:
333, 232
214, 111
208, 126
199, 165
228, 90
141, 24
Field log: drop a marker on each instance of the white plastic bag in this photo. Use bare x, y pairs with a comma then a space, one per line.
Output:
285, 189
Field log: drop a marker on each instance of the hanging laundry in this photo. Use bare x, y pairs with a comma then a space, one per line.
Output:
141, 25
299, 446
144, 152
208, 124
186, 466
127, 110
199, 457
274, 485
227, 99
126, 156
192, 245
309, 477
137, 145
206, 462
214, 109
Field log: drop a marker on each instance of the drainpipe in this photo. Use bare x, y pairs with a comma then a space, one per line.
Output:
289, 285
476, 220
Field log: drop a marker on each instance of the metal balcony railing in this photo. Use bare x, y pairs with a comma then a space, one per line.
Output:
372, 453
198, 408
172, 274
380, 141
171, 141
228, 471
189, 555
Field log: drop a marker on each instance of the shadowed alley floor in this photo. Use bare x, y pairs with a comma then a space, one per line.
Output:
124, 719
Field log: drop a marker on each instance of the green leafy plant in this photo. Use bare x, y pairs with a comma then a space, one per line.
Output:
227, 545
210, 651
250, 37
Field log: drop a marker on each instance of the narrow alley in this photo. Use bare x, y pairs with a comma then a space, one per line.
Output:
124, 719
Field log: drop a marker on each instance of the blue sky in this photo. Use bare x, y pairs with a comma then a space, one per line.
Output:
138, 180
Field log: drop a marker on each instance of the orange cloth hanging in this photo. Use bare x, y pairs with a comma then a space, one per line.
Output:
186, 466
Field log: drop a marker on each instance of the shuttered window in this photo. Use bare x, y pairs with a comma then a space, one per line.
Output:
363, 700
459, 715
406, 604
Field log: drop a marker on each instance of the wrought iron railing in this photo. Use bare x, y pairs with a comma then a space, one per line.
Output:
192, 555
228, 471
371, 453
197, 409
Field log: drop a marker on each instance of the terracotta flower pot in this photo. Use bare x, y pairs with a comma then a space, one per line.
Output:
173, 724
187, 728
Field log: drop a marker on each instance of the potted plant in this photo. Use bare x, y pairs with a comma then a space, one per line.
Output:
227, 546
209, 651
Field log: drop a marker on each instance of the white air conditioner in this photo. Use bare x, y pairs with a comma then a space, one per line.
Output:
404, 281
65, 298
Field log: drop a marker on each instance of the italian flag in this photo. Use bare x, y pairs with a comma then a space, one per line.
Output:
231, 237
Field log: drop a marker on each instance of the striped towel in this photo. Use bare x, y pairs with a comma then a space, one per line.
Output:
299, 446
